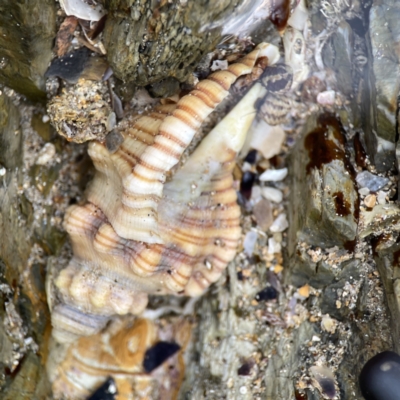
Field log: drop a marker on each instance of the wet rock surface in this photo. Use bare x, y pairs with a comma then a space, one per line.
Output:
382, 88
24, 313
328, 215
304, 305
26, 39
34, 178
148, 43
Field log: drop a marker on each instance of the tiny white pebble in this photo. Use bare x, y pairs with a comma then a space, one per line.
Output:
255, 194
280, 224
2, 171
112, 388
326, 98
363, 191
246, 167
243, 390
274, 175
272, 194
249, 242
381, 197
111, 122
273, 246
45, 118
46, 154
328, 324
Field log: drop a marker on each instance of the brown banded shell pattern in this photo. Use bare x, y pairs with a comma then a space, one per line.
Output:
138, 234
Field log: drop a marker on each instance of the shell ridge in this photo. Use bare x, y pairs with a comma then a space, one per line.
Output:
139, 235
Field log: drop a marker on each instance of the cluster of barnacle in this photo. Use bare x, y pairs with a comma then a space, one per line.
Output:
151, 225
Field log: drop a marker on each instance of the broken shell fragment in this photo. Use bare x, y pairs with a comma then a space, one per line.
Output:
266, 138
295, 55
130, 353
82, 10
324, 379
92, 359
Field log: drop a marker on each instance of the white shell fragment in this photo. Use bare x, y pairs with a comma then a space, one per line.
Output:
381, 197
328, 324
280, 224
272, 194
82, 10
249, 242
246, 17
274, 175
265, 138
46, 154
255, 194
326, 98
299, 17
273, 246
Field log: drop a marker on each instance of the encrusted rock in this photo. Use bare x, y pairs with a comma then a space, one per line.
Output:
380, 96
26, 40
81, 112
147, 43
371, 181
328, 202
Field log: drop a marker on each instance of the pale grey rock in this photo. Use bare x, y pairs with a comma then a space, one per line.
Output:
322, 189
371, 181
380, 219
363, 191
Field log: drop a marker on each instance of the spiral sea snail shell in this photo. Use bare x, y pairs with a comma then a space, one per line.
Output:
140, 233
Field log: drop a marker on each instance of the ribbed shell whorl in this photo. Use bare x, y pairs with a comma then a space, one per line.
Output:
138, 234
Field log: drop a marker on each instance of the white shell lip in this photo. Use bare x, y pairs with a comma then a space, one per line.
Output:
80, 9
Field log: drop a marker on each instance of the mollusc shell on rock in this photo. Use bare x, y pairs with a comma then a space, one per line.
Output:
140, 235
